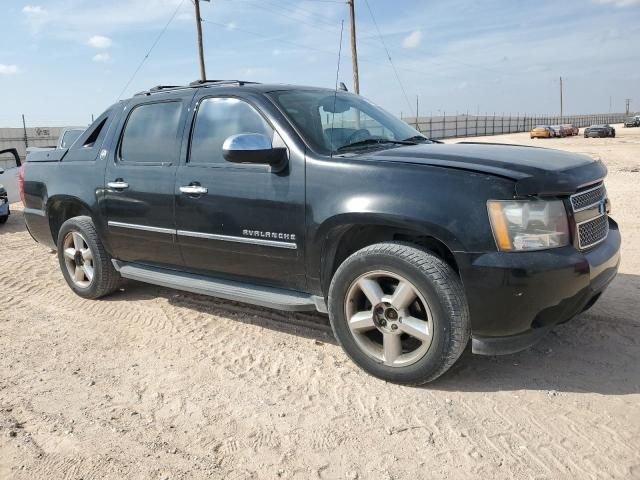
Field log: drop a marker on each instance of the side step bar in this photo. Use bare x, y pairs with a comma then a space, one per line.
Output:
278, 299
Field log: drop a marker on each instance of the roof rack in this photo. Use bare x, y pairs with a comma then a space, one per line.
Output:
196, 83
157, 88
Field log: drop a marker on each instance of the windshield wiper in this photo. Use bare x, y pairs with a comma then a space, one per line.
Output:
374, 141
418, 138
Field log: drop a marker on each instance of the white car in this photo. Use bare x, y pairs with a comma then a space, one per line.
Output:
9, 166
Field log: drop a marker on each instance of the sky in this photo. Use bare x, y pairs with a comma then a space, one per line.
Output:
62, 61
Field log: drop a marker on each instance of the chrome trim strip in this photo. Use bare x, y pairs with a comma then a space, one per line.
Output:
35, 211
584, 247
604, 195
146, 228
231, 238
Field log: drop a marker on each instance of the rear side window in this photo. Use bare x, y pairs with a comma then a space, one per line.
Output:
69, 137
151, 133
217, 120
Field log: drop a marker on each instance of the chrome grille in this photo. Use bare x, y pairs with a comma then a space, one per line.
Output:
591, 203
593, 231
588, 198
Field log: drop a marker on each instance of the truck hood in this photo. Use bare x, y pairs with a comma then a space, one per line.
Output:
536, 171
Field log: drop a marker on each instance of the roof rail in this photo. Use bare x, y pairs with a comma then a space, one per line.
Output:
157, 88
197, 83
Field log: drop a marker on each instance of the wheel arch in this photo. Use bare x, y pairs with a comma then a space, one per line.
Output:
61, 208
352, 233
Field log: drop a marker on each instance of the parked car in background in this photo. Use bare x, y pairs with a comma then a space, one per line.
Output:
558, 131
541, 131
4, 205
297, 213
603, 130
9, 170
632, 121
570, 129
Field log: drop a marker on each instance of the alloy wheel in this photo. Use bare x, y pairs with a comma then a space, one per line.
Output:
389, 318
78, 259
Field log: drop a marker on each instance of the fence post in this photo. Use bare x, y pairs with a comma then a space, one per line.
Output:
456, 124
430, 125
466, 125
493, 124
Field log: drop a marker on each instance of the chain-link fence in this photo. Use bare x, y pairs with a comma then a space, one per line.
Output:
480, 125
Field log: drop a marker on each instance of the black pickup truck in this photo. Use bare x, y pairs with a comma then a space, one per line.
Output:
299, 198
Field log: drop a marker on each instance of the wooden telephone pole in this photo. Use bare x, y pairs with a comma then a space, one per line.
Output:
203, 73
354, 49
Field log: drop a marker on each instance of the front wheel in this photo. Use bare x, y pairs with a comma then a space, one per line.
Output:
399, 312
85, 264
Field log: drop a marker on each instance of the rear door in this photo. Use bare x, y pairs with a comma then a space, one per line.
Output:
249, 221
140, 178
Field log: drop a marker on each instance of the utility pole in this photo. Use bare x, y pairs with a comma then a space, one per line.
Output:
24, 129
610, 102
203, 73
354, 49
417, 111
627, 104
560, 99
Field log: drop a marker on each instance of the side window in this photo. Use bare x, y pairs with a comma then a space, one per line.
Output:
216, 120
151, 133
69, 137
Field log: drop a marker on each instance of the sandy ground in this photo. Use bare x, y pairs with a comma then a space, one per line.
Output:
157, 384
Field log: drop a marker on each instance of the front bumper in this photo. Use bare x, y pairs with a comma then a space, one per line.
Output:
514, 298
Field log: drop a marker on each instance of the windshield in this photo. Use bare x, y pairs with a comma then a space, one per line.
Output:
342, 121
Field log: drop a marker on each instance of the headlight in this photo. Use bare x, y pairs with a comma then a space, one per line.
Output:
528, 224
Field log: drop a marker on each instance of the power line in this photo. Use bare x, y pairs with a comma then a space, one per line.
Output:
388, 54
144, 59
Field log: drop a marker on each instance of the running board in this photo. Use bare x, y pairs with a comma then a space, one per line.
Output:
276, 298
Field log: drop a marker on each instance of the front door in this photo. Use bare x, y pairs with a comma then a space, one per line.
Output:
239, 220
140, 177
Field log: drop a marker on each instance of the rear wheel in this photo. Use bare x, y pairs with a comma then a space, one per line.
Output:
85, 264
3, 219
399, 312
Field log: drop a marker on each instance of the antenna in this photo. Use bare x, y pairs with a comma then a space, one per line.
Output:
335, 92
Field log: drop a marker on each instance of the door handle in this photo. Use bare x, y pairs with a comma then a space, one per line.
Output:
118, 185
194, 189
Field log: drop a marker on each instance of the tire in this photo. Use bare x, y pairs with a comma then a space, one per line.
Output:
439, 300
3, 219
73, 256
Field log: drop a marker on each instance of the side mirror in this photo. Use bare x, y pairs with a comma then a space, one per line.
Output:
252, 148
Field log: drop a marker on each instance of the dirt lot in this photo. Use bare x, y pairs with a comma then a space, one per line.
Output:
157, 384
